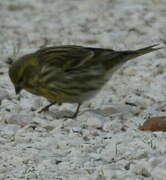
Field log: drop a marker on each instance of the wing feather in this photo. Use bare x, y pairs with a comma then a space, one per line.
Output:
65, 57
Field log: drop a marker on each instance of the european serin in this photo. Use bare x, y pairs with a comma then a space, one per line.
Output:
69, 74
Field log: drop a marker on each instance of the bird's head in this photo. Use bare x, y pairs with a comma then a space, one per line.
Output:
17, 71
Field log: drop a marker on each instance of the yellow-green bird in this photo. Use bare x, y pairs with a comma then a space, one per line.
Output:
69, 74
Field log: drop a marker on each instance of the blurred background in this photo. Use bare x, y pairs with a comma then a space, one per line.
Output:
108, 23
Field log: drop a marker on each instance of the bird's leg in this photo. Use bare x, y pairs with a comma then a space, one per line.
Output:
76, 112
72, 117
45, 108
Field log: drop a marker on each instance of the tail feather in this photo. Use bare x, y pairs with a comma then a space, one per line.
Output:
148, 49
120, 57
142, 51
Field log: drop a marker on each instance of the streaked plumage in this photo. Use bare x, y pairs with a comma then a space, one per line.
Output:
70, 74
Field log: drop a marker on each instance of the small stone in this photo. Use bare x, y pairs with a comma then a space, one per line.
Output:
154, 124
95, 156
77, 130
127, 166
107, 126
3, 94
145, 173
3, 169
139, 169
95, 122
19, 119
115, 126
2, 140
9, 129
107, 111
155, 162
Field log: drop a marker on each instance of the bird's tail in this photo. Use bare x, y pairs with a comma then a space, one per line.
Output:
142, 51
118, 58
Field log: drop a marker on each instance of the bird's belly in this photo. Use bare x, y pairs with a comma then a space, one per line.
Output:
73, 93
73, 87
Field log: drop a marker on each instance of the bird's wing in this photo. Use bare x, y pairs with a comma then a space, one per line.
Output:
65, 58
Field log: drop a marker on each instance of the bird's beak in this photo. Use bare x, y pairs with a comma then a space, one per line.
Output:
17, 89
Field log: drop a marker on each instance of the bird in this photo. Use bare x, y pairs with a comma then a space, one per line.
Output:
69, 73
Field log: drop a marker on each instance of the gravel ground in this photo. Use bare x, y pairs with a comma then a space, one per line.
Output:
104, 142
